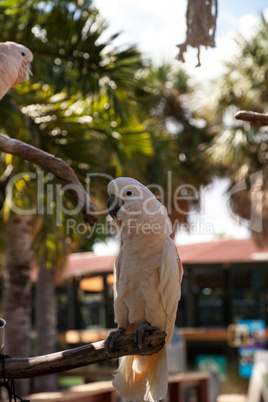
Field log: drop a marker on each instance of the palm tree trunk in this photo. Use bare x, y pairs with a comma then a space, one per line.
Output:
17, 291
46, 323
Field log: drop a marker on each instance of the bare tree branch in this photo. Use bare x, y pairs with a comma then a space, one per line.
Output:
126, 344
59, 168
256, 119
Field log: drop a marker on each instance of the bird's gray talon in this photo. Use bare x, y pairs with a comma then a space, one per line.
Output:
139, 333
113, 336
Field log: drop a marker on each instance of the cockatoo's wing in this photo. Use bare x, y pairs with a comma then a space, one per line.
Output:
5, 75
170, 275
145, 378
117, 265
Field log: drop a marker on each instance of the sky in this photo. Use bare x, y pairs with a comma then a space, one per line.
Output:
156, 27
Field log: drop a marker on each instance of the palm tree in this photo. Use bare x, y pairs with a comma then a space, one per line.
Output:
79, 107
179, 136
17, 282
239, 151
17, 289
97, 107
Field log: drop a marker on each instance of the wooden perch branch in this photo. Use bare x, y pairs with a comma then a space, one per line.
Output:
256, 119
153, 341
56, 166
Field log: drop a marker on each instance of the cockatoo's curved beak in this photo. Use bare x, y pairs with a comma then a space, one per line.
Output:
30, 68
113, 205
25, 72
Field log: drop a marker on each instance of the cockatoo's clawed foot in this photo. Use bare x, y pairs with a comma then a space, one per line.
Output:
139, 333
113, 336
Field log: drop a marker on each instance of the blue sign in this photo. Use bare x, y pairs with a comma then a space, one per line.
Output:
255, 341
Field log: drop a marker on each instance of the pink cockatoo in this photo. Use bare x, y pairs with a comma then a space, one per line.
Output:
15, 65
148, 275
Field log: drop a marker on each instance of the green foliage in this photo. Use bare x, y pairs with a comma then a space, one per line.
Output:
239, 150
99, 107
80, 104
178, 134
237, 147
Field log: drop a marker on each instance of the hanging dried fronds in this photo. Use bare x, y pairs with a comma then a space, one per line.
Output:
201, 16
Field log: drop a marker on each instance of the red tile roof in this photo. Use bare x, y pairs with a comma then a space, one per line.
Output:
222, 252
80, 264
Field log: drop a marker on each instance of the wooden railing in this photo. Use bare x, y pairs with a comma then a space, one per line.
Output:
103, 391
190, 335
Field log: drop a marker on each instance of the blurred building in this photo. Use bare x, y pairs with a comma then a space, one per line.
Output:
224, 281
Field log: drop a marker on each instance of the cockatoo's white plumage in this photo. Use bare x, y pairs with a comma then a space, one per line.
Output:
15, 65
148, 275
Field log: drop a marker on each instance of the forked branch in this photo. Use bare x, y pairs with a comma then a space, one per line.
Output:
56, 166
125, 344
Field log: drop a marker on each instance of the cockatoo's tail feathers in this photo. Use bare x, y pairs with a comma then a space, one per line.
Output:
142, 385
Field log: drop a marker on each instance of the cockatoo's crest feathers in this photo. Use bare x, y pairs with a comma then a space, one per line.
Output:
125, 187
15, 65
138, 201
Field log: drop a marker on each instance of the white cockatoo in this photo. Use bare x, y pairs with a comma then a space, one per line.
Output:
15, 65
148, 275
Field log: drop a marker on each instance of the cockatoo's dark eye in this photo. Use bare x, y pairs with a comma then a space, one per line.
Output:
22, 53
129, 193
